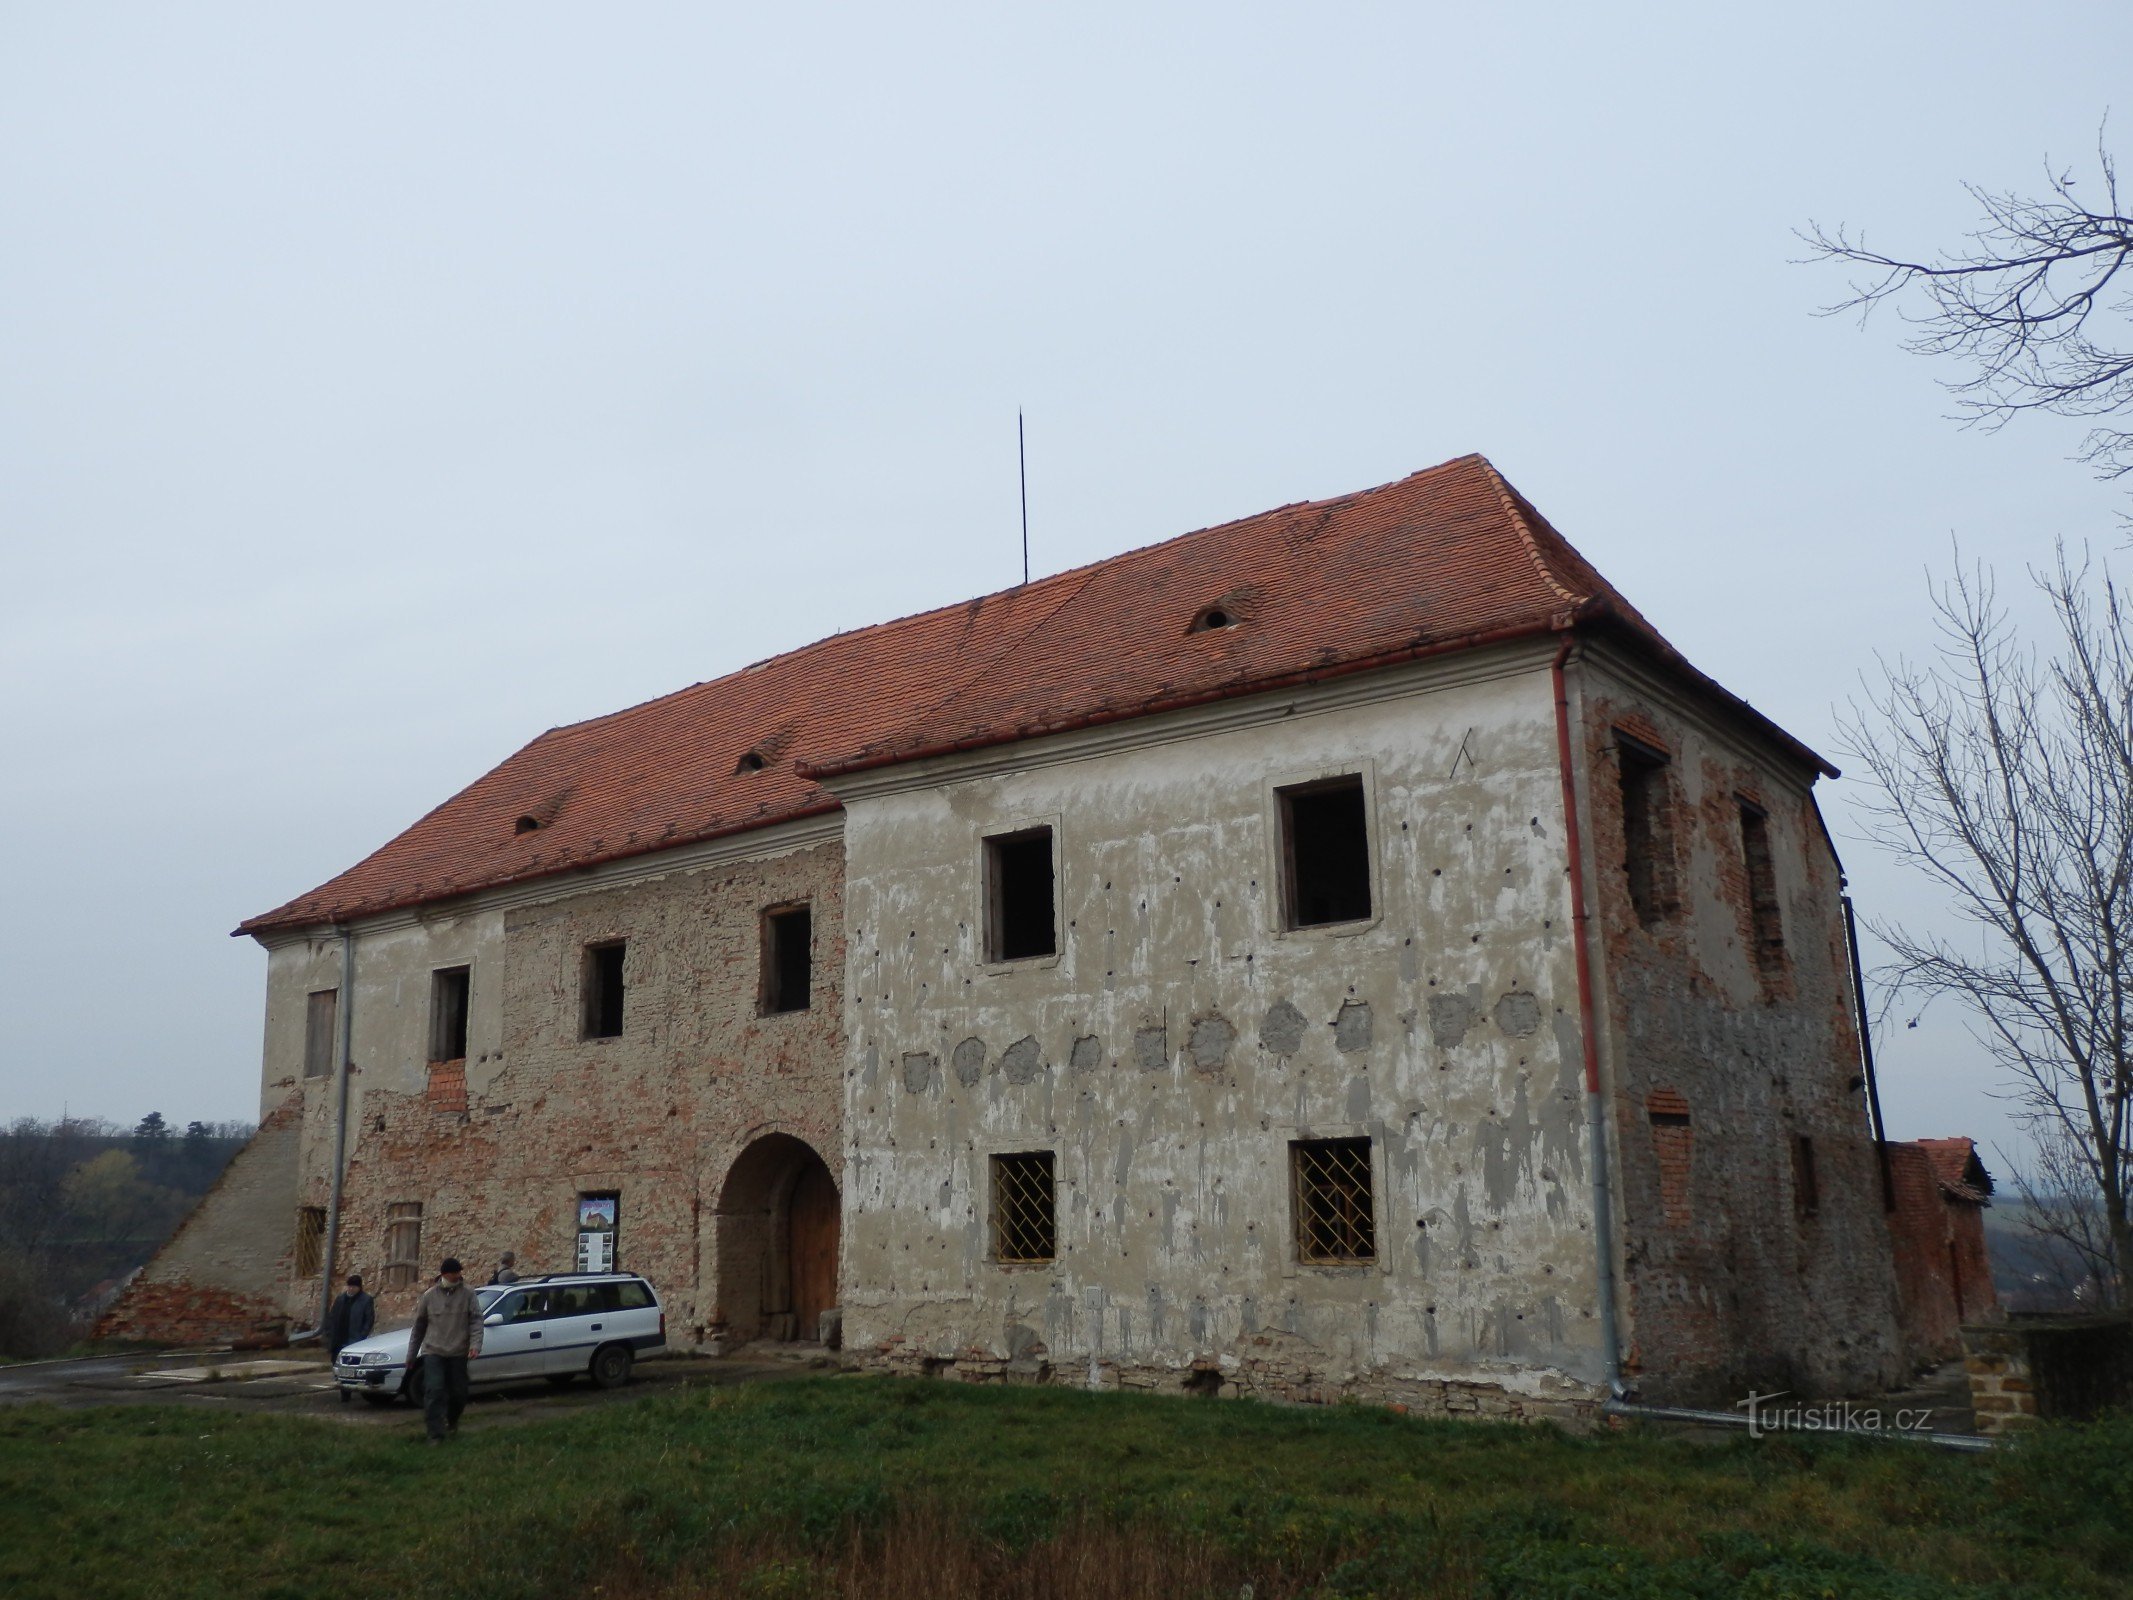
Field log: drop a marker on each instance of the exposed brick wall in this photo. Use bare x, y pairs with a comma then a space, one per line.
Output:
1943, 1274
498, 1149
223, 1273
1730, 1277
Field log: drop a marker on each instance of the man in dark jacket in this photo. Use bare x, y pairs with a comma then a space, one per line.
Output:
348, 1321
446, 1336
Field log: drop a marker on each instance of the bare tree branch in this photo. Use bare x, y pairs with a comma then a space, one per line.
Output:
2039, 304
2007, 778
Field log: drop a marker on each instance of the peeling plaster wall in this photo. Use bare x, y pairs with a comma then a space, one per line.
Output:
1180, 1040
1727, 1283
497, 1151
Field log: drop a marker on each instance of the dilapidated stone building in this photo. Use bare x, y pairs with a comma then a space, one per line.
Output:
1342, 951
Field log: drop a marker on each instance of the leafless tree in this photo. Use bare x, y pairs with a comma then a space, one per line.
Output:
2038, 303
2005, 773
2063, 1210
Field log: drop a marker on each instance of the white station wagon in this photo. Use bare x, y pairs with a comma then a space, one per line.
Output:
554, 1327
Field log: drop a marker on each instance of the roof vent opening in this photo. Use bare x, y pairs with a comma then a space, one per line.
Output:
751, 762
526, 824
1215, 616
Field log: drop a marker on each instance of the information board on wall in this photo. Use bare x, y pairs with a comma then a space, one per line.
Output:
596, 1232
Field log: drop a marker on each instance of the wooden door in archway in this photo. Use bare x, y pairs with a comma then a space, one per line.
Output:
811, 1247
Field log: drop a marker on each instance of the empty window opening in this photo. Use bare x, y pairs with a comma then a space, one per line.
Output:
1025, 1217
403, 1243
1330, 1191
1021, 919
1213, 617
603, 990
751, 762
527, 824
449, 990
788, 958
310, 1240
322, 1018
1766, 920
1325, 853
1806, 1190
1647, 829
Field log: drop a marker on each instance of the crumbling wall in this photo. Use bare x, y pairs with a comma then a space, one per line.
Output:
1749, 1259
1943, 1274
498, 1148
221, 1275
1182, 1037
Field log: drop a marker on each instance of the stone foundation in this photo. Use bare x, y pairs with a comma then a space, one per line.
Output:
1249, 1377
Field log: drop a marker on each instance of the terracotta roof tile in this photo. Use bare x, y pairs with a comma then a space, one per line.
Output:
1447, 556
1956, 1167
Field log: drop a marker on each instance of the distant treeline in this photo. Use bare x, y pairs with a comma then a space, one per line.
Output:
83, 1202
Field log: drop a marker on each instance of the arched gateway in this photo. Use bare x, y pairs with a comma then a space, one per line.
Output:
777, 1226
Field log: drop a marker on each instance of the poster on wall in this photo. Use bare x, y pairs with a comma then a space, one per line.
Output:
596, 1232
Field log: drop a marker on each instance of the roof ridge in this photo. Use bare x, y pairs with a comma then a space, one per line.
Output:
1087, 568
1514, 509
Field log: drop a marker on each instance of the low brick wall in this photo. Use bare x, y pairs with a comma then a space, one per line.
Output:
2063, 1368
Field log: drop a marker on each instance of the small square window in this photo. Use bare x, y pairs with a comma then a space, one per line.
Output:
1021, 917
322, 1016
788, 959
1025, 1212
604, 989
1325, 853
449, 990
1330, 1186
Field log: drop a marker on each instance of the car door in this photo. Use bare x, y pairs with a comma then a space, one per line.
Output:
579, 1318
513, 1338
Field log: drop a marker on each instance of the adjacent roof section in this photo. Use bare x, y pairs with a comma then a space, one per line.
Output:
1448, 557
1957, 1169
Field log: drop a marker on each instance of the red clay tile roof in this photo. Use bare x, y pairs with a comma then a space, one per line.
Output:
1956, 1168
1446, 558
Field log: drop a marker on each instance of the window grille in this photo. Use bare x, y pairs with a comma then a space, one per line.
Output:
403, 1243
310, 1240
1330, 1179
1025, 1217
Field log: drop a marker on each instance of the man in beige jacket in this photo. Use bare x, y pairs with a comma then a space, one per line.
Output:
446, 1336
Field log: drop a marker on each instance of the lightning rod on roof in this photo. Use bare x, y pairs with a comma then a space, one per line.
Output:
1022, 461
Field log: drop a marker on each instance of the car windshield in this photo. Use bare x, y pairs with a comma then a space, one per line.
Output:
487, 1297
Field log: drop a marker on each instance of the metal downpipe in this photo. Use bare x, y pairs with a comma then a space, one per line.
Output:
1595, 1105
345, 1051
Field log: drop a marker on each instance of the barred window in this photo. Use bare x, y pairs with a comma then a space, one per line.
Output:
1330, 1192
1025, 1213
403, 1243
310, 1240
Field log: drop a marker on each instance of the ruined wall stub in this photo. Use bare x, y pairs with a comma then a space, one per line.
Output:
498, 1150
1443, 1029
1719, 1063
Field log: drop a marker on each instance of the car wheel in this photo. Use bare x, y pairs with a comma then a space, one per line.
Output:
411, 1387
611, 1366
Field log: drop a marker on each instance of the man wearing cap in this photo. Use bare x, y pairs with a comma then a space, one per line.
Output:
348, 1321
446, 1336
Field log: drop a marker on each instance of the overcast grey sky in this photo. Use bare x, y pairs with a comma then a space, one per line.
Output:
380, 387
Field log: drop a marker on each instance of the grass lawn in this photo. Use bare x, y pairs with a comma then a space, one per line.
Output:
879, 1487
